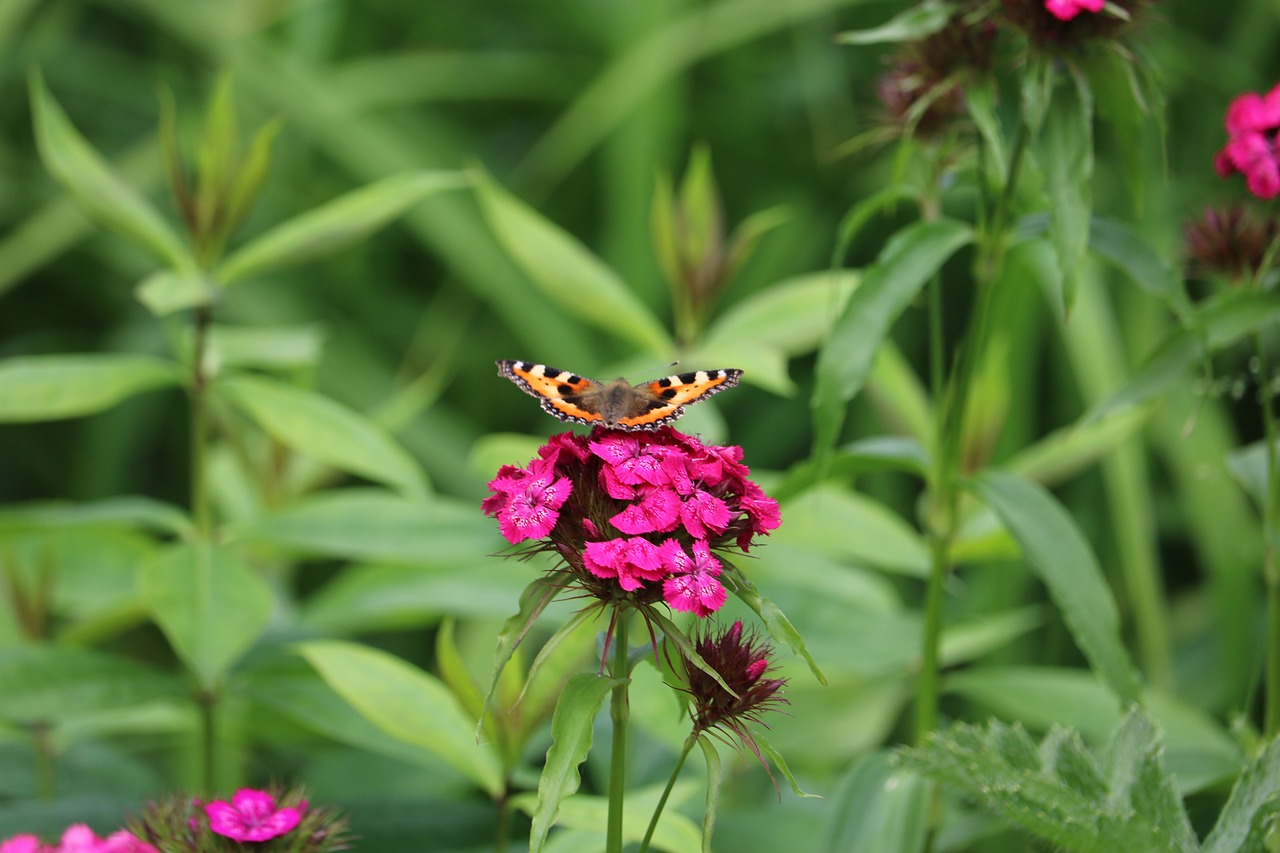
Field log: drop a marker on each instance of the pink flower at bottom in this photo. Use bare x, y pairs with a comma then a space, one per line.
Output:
252, 816
22, 844
1065, 10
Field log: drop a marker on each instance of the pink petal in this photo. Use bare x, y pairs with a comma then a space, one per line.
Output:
21, 844
656, 512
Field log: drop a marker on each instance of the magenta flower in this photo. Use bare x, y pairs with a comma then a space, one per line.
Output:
1065, 10
527, 502
693, 584
742, 661
252, 816
79, 838
634, 516
1253, 142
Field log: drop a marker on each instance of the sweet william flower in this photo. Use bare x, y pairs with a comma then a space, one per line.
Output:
79, 838
636, 517
1253, 142
742, 661
252, 816
1231, 241
1065, 10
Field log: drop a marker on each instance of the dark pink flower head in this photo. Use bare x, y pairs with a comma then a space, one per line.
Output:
79, 838
1065, 10
252, 816
527, 501
23, 844
1233, 241
1059, 24
742, 661
1253, 142
635, 516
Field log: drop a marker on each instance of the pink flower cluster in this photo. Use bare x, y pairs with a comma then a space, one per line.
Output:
252, 816
635, 514
1253, 144
1065, 10
79, 838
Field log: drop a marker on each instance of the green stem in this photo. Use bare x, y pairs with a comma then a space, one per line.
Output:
200, 423
620, 712
666, 792
949, 431
41, 737
504, 822
1270, 529
208, 703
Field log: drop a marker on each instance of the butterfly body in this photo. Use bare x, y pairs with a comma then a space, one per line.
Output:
617, 404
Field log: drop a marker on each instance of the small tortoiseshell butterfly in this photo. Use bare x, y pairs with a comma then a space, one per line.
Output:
617, 404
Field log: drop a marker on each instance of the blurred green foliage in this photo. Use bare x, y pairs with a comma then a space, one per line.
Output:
571, 115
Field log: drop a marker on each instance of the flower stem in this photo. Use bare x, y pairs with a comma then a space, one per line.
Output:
1270, 530
666, 792
620, 711
200, 423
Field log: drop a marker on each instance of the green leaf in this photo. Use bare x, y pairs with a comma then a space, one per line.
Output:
1036, 91
1055, 549
1248, 465
910, 259
1219, 322
845, 524
266, 347
1197, 749
567, 273
792, 315
129, 510
166, 291
533, 601
209, 604
337, 224
370, 524
406, 703
84, 174
916, 23
215, 154
1059, 791
253, 172
767, 751
1123, 246
52, 387
878, 807
1064, 152
1255, 794
572, 728
980, 100
397, 597
48, 683
326, 430
715, 776
775, 621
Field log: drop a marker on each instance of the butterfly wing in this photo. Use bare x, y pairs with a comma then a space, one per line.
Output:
663, 400
565, 395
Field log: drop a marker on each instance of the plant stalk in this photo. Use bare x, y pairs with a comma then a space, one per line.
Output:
666, 792
620, 712
1270, 530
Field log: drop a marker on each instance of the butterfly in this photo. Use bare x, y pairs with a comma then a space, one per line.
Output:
617, 404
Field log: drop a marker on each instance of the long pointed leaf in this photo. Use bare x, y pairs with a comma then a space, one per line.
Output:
406, 703
336, 224
1056, 550
533, 601
322, 428
572, 727
911, 257
83, 172
52, 387
568, 273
